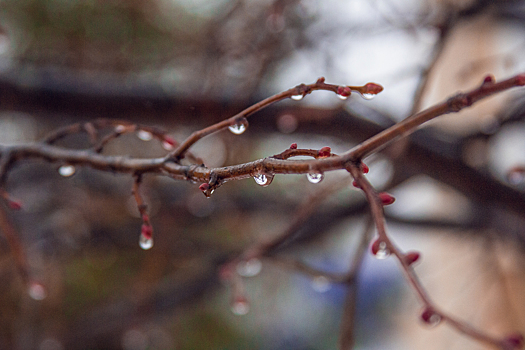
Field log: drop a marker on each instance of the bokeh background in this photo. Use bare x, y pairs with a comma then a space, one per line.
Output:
184, 64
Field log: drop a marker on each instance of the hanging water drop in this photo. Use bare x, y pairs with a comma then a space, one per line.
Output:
342, 97
145, 242
430, 317
321, 284
367, 96
240, 307
144, 135
380, 249
297, 97
168, 145
249, 268
66, 170
261, 179
37, 291
315, 178
237, 129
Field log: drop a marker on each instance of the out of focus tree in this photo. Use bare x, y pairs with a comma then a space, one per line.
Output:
183, 65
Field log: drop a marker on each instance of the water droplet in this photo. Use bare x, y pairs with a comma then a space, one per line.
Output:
261, 179
434, 320
516, 176
145, 242
380, 250
368, 96
430, 317
144, 135
240, 307
37, 291
321, 284
66, 170
120, 128
168, 146
315, 178
342, 97
297, 97
249, 268
237, 129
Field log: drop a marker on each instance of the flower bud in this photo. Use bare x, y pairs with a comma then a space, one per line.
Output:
411, 257
293, 146
325, 152
386, 198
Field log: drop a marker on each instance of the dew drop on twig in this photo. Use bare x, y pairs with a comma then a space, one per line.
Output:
342, 97
66, 170
249, 268
37, 291
168, 146
261, 180
240, 307
144, 135
237, 129
145, 242
367, 96
315, 178
321, 284
297, 97
380, 250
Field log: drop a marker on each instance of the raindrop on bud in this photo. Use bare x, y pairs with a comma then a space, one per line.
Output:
342, 97
144, 135
120, 128
262, 179
237, 129
321, 284
315, 178
430, 317
145, 242
66, 170
297, 97
380, 250
240, 306
367, 96
168, 144
37, 291
249, 268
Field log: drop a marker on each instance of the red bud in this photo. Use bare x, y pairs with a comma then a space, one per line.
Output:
355, 184
386, 198
411, 257
293, 146
372, 88
325, 152
344, 91
14, 205
516, 340
364, 168
147, 231
203, 187
489, 79
430, 316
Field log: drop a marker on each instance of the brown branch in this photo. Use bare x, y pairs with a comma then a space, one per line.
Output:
297, 93
431, 314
